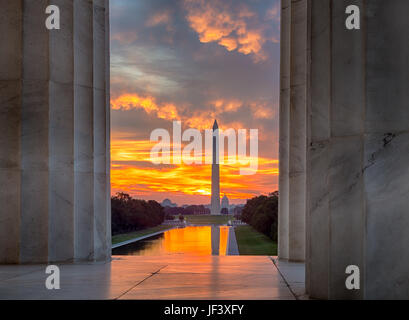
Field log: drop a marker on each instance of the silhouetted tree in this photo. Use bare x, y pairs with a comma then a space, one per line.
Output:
130, 214
262, 213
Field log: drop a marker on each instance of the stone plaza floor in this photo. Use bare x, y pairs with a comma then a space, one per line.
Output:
176, 276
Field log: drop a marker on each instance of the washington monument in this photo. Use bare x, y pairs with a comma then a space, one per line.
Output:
215, 203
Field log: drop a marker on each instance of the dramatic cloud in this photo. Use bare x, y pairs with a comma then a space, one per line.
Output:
129, 101
231, 25
199, 119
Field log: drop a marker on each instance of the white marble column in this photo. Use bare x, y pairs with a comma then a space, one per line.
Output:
293, 123
34, 139
101, 130
61, 137
10, 127
84, 128
336, 217
317, 215
283, 199
54, 153
358, 138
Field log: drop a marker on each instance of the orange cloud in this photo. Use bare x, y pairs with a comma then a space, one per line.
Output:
232, 28
129, 101
261, 109
144, 180
229, 43
166, 110
200, 119
225, 105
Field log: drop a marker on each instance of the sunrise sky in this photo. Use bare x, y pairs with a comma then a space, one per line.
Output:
193, 61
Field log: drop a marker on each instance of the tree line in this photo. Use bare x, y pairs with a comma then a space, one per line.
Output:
262, 214
130, 214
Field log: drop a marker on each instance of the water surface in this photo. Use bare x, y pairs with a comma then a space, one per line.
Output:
200, 240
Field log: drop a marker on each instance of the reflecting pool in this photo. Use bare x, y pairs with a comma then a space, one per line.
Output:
200, 240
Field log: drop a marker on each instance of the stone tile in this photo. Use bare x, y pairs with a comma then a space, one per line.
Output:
294, 275
13, 271
152, 277
208, 286
78, 281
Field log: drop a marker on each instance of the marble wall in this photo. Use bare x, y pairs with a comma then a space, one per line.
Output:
54, 138
357, 146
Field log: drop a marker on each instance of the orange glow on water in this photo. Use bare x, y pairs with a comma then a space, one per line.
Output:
224, 237
196, 240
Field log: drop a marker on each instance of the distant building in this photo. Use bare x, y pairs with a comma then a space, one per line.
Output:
225, 203
168, 203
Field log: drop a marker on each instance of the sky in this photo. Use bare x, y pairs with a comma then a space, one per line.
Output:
193, 61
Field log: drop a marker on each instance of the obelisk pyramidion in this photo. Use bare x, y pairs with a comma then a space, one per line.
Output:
215, 202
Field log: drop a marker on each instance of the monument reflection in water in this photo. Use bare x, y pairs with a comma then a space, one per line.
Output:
199, 240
